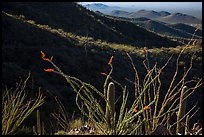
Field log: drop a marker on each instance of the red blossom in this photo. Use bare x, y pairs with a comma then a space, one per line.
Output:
147, 107
49, 70
104, 74
135, 109
44, 58
110, 61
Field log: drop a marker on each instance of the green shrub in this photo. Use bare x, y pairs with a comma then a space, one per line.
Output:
16, 107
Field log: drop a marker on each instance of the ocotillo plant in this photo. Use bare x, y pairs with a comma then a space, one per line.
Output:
16, 107
152, 115
181, 111
94, 111
111, 100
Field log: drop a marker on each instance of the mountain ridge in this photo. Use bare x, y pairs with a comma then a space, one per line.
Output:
83, 22
134, 8
163, 16
181, 18
179, 30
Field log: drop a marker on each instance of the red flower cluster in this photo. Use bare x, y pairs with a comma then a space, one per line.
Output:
49, 70
147, 107
44, 58
47, 59
135, 109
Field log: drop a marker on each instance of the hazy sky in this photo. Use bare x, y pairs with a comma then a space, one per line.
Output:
156, 5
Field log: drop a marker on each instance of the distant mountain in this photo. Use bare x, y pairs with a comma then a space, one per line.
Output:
180, 18
96, 6
141, 13
151, 14
101, 7
144, 13
173, 30
164, 13
119, 13
160, 16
